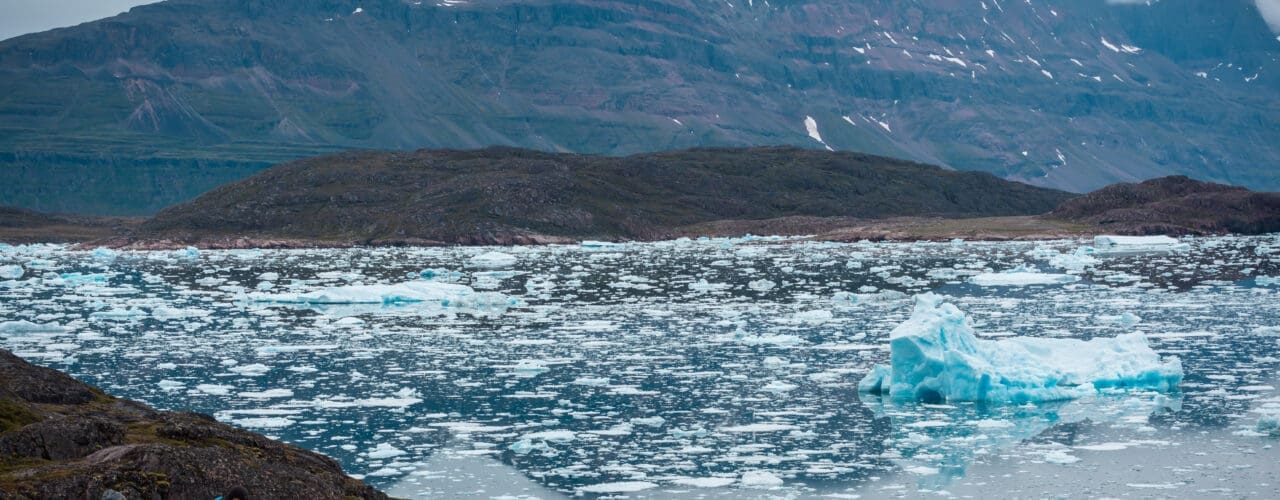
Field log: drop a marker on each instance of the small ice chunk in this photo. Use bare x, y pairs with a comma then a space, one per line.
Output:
21, 326
1020, 277
757, 428
555, 436
935, 357
1060, 457
1269, 425
760, 479
268, 394
252, 370
11, 272
1078, 260
170, 385
103, 254
1131, 241
493, 260
385, 450
591, 381
705, 482
215, 389
778, 387
649, 421
618, 487
263, 422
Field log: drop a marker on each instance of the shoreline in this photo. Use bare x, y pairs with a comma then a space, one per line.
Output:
802, 228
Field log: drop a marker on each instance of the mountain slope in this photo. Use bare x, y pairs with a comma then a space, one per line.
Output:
177, 97
504, 195
1175, 205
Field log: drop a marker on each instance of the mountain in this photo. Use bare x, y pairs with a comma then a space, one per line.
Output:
1175, 205
130, 114
504, 196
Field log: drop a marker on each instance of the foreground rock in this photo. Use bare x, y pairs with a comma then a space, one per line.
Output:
60, 438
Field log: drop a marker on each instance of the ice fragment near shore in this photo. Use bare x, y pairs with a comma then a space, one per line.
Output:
1122, 245
1129, 241
934, 357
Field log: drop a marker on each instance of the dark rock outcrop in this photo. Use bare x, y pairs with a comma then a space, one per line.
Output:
511, 196
60, 438
1176, 206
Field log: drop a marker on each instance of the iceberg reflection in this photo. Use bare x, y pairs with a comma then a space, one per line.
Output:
939, 442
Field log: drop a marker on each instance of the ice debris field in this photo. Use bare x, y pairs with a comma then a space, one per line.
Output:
718, 368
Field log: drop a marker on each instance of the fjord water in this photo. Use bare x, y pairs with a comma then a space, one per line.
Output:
717, 368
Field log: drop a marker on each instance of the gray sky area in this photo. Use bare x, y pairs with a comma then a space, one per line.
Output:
19, 17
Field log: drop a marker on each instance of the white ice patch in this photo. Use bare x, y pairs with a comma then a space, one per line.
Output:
1022, 278
493, 260
811, 126
412, 292
618, 487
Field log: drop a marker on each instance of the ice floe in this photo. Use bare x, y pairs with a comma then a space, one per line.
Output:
934, 356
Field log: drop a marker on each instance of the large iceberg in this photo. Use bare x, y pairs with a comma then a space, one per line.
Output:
935, 357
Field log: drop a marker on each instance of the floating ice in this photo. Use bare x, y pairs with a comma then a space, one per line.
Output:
539, 440
1020, 277
103, 254
12, 272
934, 356
1113, 241
385, 450
21, 326
760, 479
848, 298
493, 260
1109, 244
443, 275
1076, 261
1268, 425
618, 487
444, 294
705, 482
189, 253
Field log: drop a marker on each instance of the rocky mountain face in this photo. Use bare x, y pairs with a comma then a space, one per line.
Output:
60, 438
131, 113
512, 196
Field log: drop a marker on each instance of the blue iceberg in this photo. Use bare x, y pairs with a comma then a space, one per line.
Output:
935, 357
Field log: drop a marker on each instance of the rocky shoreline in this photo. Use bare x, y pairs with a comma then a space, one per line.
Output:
61, 438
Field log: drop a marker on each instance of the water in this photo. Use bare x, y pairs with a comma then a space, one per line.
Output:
715, 369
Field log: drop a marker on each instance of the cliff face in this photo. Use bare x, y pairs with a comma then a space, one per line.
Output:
504, 195
60, 438
178, 97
